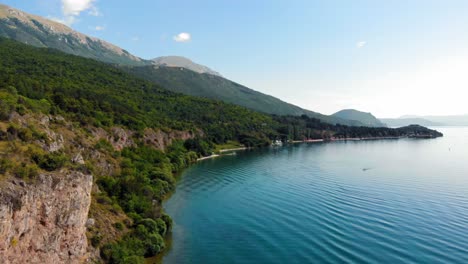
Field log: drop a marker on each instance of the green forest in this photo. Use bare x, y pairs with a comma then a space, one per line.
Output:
91, 93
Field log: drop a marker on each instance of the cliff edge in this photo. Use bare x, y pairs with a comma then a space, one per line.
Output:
45, 221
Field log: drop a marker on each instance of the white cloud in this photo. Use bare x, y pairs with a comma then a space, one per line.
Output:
71, 10
99, 28
75, 7
182, 37
361, 44
136, 38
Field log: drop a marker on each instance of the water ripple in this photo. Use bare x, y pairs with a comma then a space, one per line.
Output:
313, 203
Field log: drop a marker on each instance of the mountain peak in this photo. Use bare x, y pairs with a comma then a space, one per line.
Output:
366, 118
182, 62
10, 13
41, 32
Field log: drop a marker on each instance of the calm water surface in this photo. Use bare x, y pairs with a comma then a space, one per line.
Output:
393, 201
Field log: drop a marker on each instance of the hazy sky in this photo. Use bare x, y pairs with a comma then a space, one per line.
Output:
386, 57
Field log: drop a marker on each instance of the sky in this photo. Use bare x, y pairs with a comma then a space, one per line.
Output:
390, 58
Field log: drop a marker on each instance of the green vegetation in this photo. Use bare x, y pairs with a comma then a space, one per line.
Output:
366, 119
50, 161
218, 88
92, 95
304, 127
146, 178
228, 145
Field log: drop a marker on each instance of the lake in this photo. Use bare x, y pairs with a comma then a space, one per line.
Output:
382, 201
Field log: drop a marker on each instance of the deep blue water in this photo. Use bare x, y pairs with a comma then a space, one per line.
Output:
387, 201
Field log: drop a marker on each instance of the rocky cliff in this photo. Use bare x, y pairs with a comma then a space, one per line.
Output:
44, 222
49, 208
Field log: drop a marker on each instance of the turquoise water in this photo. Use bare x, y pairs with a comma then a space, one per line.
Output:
389, 201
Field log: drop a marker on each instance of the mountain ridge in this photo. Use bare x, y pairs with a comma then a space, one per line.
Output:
219, 88
165, 71
365, 118
41, 32
442, 120
183, 62
62, 112
398, 122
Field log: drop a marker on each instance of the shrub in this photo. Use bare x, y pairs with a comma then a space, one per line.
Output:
51, 161
26, 171
5, 165
119, 226
25, 134
104, 200
96, 240
168, 220
103, 144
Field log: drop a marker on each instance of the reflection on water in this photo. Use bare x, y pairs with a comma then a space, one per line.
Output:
391, 201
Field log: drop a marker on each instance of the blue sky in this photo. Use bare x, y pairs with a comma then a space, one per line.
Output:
386, 57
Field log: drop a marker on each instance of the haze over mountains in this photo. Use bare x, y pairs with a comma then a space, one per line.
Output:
366, 118
180, 74
450, 120
196, 80
398, 122
91, 144
182, 62
429, 121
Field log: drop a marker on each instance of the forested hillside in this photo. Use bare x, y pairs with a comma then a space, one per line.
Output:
205, 85
60, 113
95, 93
366, 119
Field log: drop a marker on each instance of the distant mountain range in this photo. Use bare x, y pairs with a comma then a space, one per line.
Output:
365, 118
450, 120
179, 79
173, 73
399, 122
429, 121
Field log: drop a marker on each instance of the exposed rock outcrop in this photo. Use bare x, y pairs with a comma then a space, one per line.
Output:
121, 138
118, 137
161, 140
45, 222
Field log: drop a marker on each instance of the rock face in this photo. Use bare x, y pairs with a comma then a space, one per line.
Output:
161, 140
121, 138
181, 62
45, 222
41, 32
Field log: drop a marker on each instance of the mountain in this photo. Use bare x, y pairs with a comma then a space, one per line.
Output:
399, 122
174, 73
448, 120
40, 32
211, 86
365, 118
182, 62
88, 153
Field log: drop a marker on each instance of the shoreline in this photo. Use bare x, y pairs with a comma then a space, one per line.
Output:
158, 258
208, 157
232, 149
357, 139
212, 156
